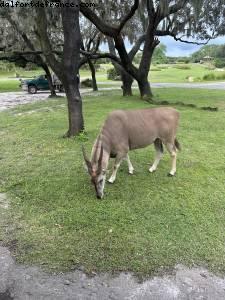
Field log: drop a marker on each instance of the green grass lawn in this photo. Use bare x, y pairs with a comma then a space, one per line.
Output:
172, 73
9, 85
164, 73
9, 82
146, 222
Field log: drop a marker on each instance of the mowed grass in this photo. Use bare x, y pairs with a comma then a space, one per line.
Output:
146, 222
175, 73
9, 82
165, 73
9, 85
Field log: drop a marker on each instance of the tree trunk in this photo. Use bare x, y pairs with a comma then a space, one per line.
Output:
92, 68
143, 84
145, 89
74, 103
70, 68
127, 81
150, 43
49, 78
66, 69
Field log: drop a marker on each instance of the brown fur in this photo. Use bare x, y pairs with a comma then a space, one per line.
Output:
125, 130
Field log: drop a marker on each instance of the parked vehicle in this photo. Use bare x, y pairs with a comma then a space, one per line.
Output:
40, 83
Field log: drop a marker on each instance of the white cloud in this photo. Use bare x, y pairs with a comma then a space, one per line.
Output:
175, 48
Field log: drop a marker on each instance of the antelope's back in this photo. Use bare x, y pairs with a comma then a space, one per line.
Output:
141, 127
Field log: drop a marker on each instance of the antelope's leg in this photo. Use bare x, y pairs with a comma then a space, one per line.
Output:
117, 163
173, 153
130, 166
159, 153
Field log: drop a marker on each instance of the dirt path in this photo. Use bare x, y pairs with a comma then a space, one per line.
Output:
29, 283
11, 99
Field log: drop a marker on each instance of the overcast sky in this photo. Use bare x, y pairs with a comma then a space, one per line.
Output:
182, 49
175, 48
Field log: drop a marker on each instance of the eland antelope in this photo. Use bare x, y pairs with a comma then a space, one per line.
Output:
126, 130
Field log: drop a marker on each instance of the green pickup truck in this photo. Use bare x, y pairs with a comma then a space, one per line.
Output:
40, 83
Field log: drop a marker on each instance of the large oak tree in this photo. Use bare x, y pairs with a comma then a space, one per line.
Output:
66, 66
179, 19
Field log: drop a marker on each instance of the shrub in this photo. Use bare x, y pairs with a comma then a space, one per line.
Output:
86, 67
183, 67
221, 76
112, 74
183, 60
210, 67
155, 69
30, 66
6, 66
220, 63
86, 83
209, 76
164, 67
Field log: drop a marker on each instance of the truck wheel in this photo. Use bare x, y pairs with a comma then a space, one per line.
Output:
32, 89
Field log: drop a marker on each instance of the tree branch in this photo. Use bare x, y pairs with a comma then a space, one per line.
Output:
150, 7
92, 55
136, 46
129, 15
91, 40
169, 33
102, 26
106, 29
42, 26
174, 8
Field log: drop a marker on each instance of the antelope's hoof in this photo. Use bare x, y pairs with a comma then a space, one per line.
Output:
111, 180
151, 170
131, 172
170, 175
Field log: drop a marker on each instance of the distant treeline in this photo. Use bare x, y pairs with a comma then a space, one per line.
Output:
216, 53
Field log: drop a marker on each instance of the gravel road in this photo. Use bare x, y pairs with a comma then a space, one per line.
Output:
30, 283
11, 99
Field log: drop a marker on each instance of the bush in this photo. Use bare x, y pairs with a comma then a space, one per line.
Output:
184, 60
30, 66
155, 69
210, 67
220, 63
221, 76
86, 83
183, 67
6, 66
212, 76
112, 74
209, 76
86, 67
164, 67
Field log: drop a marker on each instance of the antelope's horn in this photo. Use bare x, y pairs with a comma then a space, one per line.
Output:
100, 160
87, 161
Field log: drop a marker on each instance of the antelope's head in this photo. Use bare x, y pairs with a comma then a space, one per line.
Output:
97, 173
